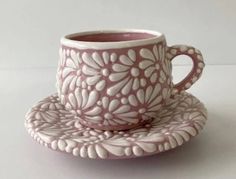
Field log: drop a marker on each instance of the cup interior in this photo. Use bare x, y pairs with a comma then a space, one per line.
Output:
112, 36
112, 39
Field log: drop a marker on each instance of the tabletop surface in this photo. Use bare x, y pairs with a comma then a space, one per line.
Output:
209, 155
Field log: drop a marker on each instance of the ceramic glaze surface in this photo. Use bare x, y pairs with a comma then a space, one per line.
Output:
114, 89
50, 124
120, 88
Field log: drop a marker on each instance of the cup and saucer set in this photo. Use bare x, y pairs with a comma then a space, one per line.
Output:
115, 97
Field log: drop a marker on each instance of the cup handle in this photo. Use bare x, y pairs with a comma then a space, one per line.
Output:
197, 68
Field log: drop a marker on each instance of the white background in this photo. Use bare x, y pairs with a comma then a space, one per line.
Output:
29, 40
30, 30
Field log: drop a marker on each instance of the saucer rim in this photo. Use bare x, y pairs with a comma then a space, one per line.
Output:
39, 139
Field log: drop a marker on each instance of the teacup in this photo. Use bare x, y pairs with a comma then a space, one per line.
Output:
119, 79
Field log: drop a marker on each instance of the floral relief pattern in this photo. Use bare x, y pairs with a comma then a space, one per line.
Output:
126, 74
129, 80
82, 101
151, 64
150, 100
50, 124
96, 69
117, 113
69, 70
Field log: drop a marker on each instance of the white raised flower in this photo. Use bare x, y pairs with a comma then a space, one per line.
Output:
86, 105
82, 102
151, 62
96, 68
150, 100
69, 77
126, 75
118, 112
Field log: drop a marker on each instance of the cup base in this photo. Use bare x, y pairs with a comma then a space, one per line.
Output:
115, 128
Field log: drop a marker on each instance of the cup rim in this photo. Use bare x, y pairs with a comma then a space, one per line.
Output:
66, 41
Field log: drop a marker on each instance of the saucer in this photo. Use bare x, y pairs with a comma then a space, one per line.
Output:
182, 118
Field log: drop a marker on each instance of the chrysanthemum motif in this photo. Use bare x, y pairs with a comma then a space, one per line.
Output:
70, 73
151, 62
82, 102
118, 112
126, 75
96, 68
150, 99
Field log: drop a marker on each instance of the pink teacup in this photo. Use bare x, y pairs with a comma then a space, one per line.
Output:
119, 79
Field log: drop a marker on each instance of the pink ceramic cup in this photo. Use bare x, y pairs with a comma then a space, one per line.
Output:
119, 79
